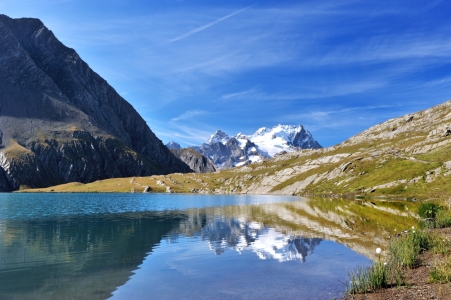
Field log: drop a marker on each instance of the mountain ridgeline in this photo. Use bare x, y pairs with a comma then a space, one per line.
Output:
407, 157
228, 152
61, 122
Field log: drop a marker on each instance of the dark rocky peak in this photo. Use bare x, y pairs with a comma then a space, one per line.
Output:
52, 103
173, 145
304, 139
196, 161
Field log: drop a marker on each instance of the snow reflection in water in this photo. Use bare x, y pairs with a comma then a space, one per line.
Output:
223, 234
130, 246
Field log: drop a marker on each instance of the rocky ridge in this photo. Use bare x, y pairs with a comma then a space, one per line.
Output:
240, 150
407, 157
61, 122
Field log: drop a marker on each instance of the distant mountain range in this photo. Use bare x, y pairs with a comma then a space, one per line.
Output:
61, 122
233, 151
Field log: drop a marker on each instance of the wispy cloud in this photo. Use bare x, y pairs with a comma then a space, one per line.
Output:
334, 89
188, 115
442, 81
239, 94
391, 48
186, 135
315, 62
201, 28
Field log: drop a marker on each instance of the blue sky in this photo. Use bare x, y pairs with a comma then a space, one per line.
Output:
192, 67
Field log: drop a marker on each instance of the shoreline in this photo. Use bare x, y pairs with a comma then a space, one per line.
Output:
418, 280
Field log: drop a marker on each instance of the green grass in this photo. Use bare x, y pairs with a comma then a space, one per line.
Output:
403, 253
443, 219
405, 250
380, 275
441, 273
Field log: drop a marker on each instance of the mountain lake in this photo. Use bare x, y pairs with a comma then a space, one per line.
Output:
179, 246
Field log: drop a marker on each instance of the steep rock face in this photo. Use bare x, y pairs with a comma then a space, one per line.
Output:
60, 121
230, 154
196, 161
173, 145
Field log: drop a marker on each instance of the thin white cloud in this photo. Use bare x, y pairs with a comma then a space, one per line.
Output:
183, 134
188, 115
443, 81
316, 119
201, 28
334, 89
233, 95
386, 49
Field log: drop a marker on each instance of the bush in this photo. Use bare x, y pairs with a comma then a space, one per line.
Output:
428, 210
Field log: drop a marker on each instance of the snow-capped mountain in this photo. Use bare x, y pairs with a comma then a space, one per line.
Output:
239, 150
218, 137
271, 141
224, 234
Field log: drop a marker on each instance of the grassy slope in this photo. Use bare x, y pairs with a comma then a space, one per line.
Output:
382, 154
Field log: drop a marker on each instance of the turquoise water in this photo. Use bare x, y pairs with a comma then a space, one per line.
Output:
164, 246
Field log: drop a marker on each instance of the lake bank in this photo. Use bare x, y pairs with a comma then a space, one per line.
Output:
419, 282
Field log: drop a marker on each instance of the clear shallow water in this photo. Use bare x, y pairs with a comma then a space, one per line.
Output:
166, 246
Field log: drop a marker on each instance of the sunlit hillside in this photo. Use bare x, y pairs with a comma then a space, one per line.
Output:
407, 157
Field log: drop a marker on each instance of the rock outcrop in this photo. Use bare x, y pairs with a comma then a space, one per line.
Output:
61, 122
196, 161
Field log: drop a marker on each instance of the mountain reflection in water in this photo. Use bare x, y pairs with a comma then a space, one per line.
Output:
86, 255
222, 234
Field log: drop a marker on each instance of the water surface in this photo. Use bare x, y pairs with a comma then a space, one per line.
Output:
169, 246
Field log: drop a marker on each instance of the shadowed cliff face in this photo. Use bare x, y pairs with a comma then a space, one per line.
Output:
196, 161
61, 122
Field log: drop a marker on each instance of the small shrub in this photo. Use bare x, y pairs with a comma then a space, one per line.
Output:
428, 210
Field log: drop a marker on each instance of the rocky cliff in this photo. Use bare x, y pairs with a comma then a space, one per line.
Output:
61, 122
196, 161
230, 153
